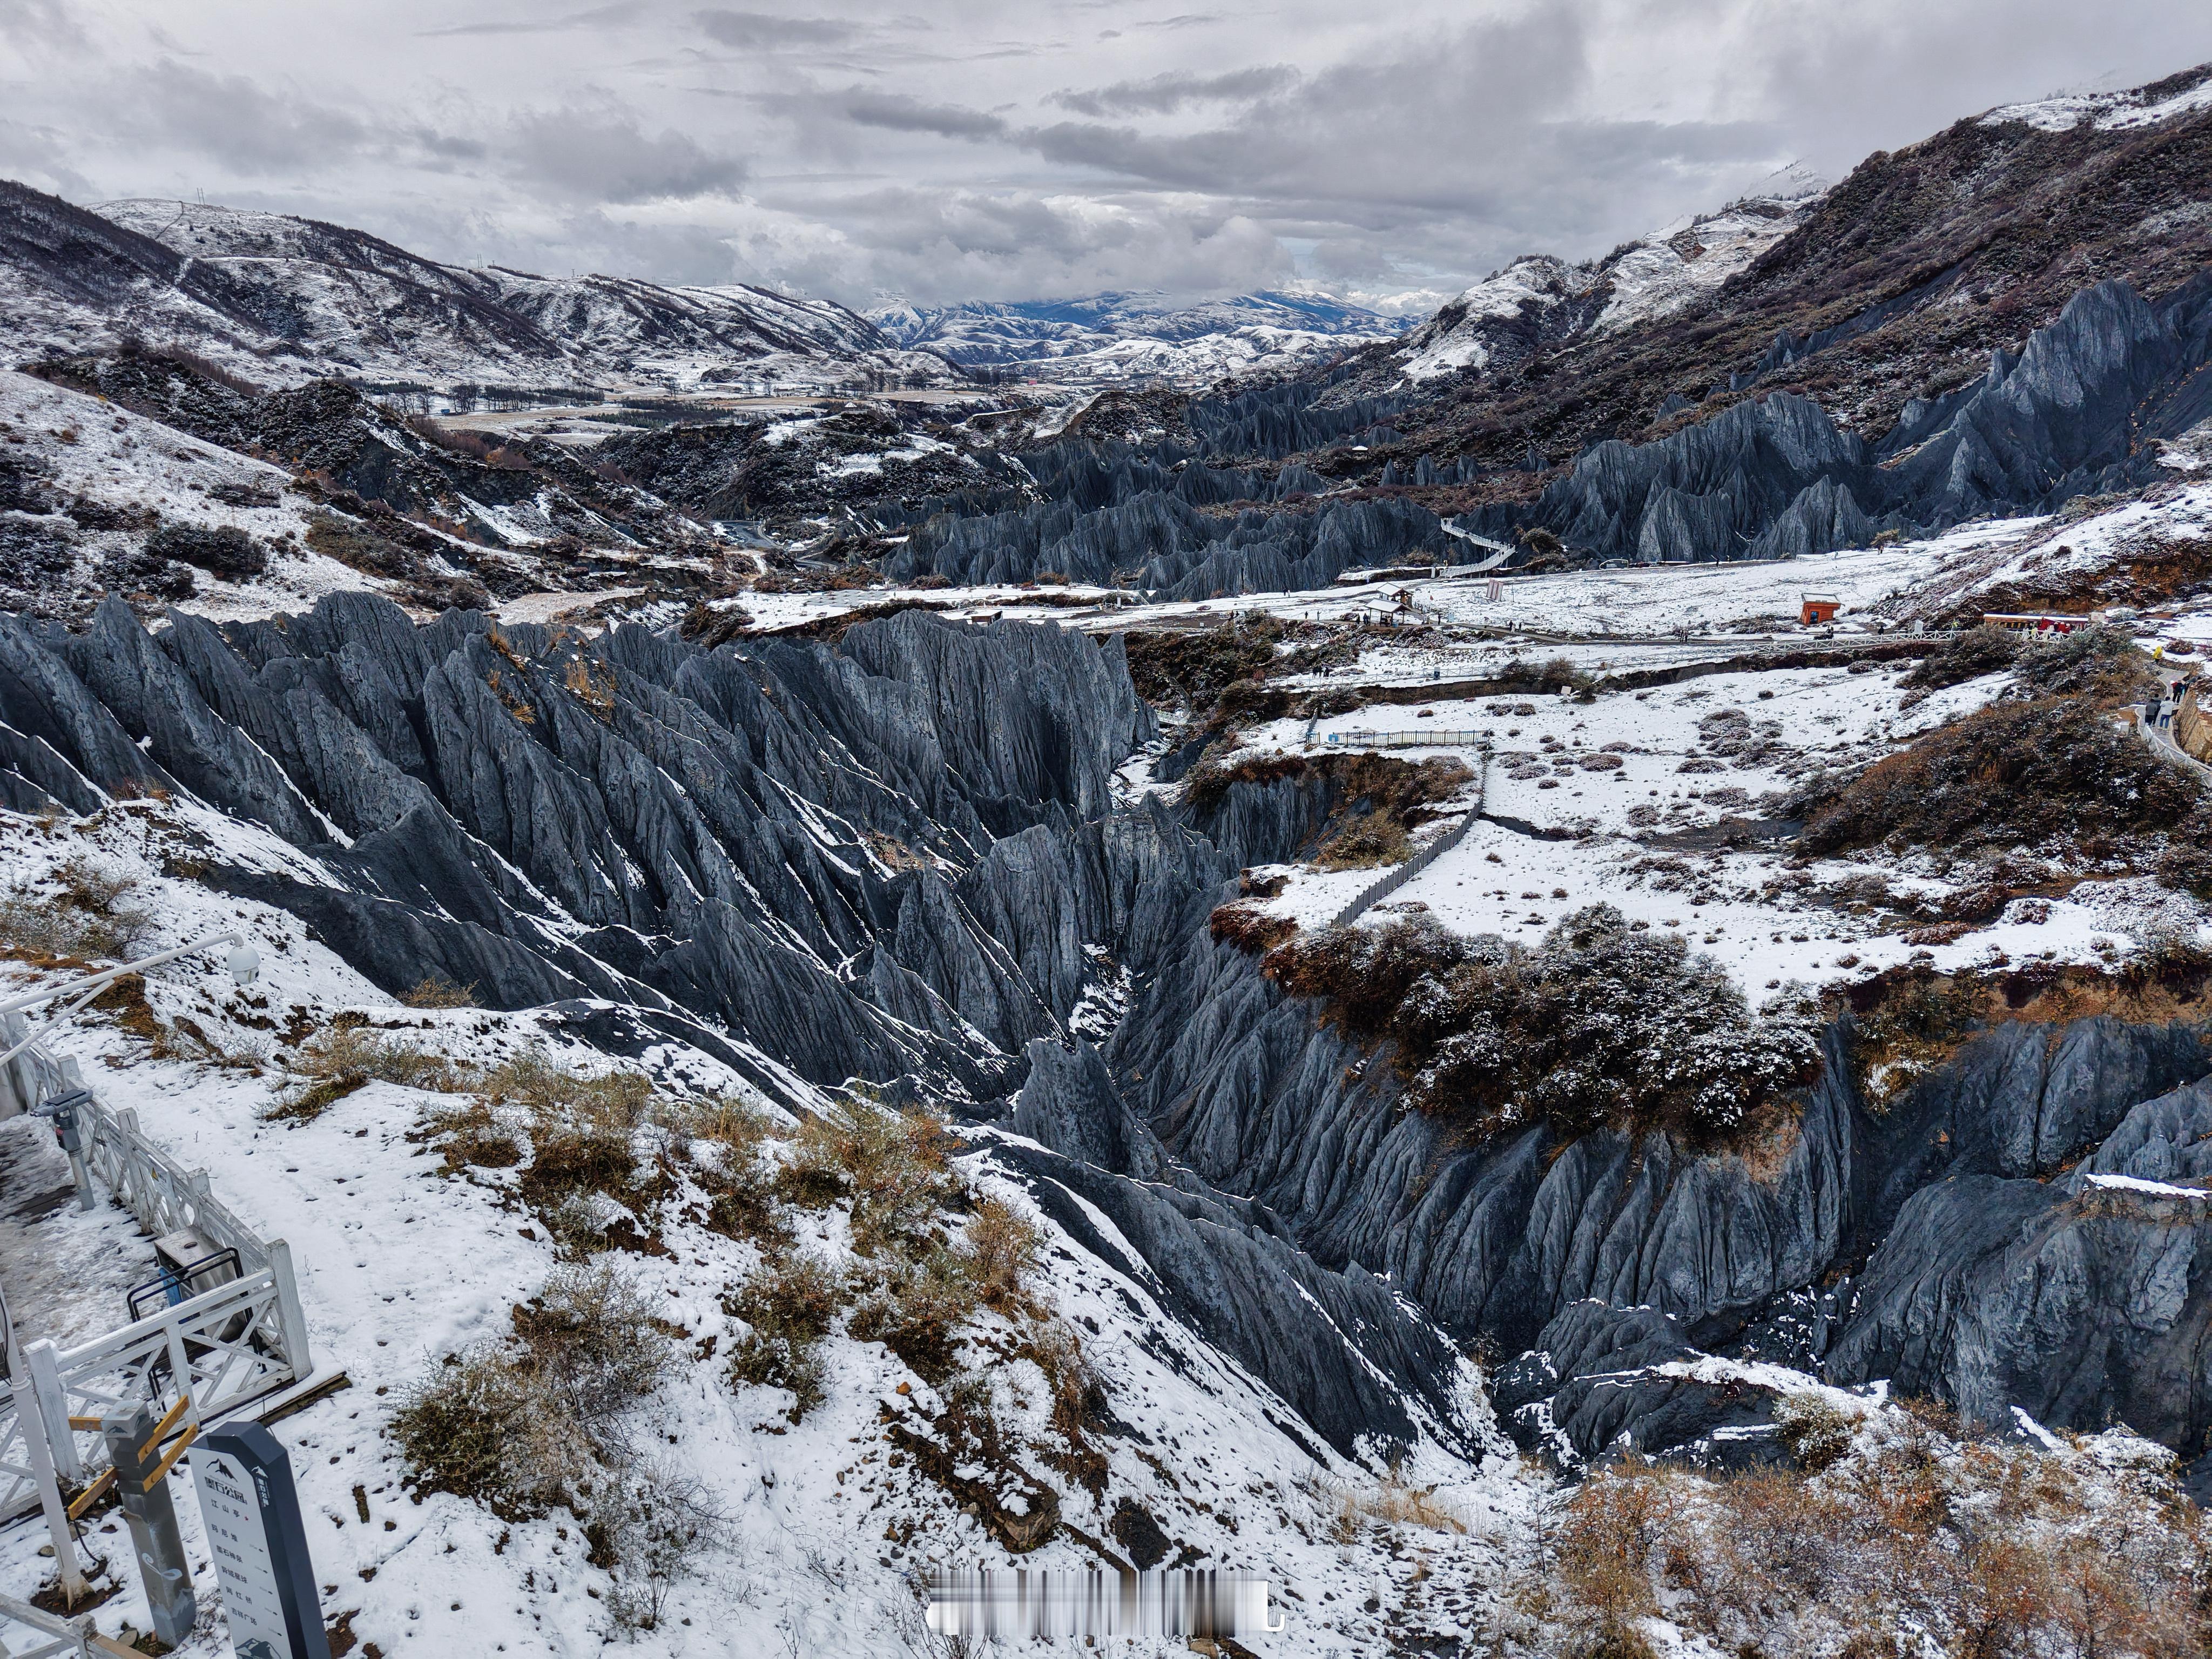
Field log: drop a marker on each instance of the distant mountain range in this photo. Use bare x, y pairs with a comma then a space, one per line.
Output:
1124, 335
283, 300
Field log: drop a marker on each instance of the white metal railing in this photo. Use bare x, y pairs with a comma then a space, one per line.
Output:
162, 1194
224, 1348
1366, 737
221, 1349
52, 1637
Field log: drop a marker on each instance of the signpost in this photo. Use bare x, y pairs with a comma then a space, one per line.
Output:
259, 1545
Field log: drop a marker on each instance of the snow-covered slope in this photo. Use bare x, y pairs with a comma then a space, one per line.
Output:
1113, 336
1539, 303
2108, 112
283, 299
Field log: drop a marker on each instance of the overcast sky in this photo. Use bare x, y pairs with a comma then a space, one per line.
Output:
1019, 149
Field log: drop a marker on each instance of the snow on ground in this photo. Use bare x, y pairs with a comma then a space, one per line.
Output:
2055, 556
1623, 801
2108, 110
84, 445
823, 1533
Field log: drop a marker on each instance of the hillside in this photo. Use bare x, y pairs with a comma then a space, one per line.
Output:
283, 300
1896, 283
1113, 336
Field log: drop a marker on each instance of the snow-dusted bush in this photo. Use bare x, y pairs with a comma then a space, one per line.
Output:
1600, 1025
1911, 1538
526, 1423
790, 1304
330, 1065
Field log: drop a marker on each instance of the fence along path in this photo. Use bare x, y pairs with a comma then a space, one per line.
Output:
1375, 892
224, 1348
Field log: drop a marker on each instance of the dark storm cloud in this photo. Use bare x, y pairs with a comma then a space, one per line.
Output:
588, 155
760, 31
1168, 93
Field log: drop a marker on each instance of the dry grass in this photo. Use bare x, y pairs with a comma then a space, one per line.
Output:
1002, 1254
329, 1066
1991, 1550
436, 991
549, 1090
791, 1303
893, 1167
1368, 843
88, 917
530, 1423
1391, 1502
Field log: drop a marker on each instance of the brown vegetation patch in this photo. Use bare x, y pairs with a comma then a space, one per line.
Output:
1249, 927
2055, 769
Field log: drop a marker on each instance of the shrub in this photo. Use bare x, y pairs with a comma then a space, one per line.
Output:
1376, 838
483, 1428
471, 1135
1002, 1248
534, 1080
525, 1424
436, 991
225, 551
790, 1304
916, 1308
593, 1339
331, 1065
567, 1164
650, 1530
894, 1168
2013, 775
89, 917
1599, 1024
2101, 663
1966, 655
1249, 927
1816, 1431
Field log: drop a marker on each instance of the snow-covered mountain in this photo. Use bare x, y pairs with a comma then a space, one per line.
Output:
1122, 336
1541, 303
283, 300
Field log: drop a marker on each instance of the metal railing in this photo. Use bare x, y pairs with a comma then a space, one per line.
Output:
53, 1637
218, 1350
1365, 738
1392, 880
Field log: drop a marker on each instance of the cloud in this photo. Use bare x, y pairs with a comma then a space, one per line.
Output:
247, 126
997, 150
39, 22
755, 31
1168, 93
896, 112
605, 156
597, 17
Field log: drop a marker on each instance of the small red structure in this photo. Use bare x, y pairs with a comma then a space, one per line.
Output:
1817, 608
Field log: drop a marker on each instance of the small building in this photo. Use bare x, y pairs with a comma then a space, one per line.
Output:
1817, 609
2030, 622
